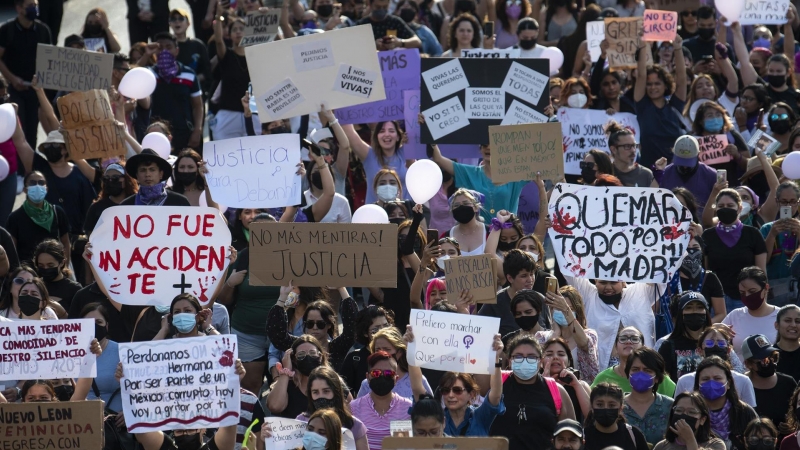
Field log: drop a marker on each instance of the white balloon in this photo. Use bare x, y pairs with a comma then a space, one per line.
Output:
3, 168
791, 166
730, 9
138, 83
423, 180
8, 122
370, 214
158, 142
556, 58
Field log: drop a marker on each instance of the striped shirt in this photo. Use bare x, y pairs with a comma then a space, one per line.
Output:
378, 425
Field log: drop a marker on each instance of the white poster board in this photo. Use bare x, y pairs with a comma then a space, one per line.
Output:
309, 65
147, 255
180, 384
287, 434
761, 12
584, 129
255, 171
618, 233
595, 33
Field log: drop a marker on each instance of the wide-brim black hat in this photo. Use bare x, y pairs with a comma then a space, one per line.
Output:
148, 155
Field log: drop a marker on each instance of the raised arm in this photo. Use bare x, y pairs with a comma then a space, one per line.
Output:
442, 161
219, 42
429, 255
278, 323
540, 231
286, 27
788, 34
414, 372
342, 163
769, 209
749, 74
323, 204
46, 114
680, 68
641, 72
358, 145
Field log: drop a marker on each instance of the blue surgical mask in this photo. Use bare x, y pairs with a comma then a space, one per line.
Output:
762, 42
713, 125
313, 441
184, 322
161, 309
560, 319
36, 193
526, 369
32, 12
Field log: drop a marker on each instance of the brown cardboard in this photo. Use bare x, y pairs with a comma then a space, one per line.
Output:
449, 443
475, 273
90, 130
70, 69
334, 254
52, 425
622, 35
520, 151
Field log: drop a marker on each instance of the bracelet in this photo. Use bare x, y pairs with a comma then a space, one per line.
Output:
333, 122
497, 225
288, 372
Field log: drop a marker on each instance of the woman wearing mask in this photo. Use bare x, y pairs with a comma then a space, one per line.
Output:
117, 186
644, 408
750, 207
369, 321
323, 432
704, 89
761, 434
508, 16
606, 424
712, 119
427, 417
96, 34
385, 150
390, 341
559, 365
731, 245
506, 233
772, 388
756, 314
787, 341
753, 102
729, 415
189, 178
629, 339
576, 94
9, 306
50, 260
469, 232
433, 260
464, 33
595, 162
781, 238
104, 387
527, 35
782, 84
782, 120
288, 394
526, 306
340, 208
35, 391
33, 300
389, 188
326, 390
574, 330
679, 349
37, 220
186, 318
689, 426
409, 12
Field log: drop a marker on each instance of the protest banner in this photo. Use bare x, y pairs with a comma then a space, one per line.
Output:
622, 35
519, 152
260, 27
584, 129
309, 66
712, 149
255, 171
287, 434
660, 25
180, 384
400, 72
318, 254
595, 33
475, 273
462, 97
618, 233
70, 69
490, 53
51, 425
452, 342
449, 443
90, 129
528, 209
413, 148
764, 12
35, 350
148, 256
678, 5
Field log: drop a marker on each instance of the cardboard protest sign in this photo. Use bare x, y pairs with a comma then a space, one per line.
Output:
287, 434
595, 33
318, 254
255, 171
462, 97
449, 443
90, 129
309, 67
622, 35
475, 273
618, 233
584, 129
660, 25
400, 72
55, 425
69, 69
772, 12
678, 5
452, 342
261, 27
712, 149
490, 53
35, 350
148, 255
180, 384
519, 152
413, 148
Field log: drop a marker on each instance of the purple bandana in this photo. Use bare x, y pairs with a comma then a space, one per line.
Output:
154, 195
166, 66
730, 234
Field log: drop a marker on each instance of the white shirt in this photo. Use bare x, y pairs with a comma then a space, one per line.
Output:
745, 325
635, 310
340, 208
744, 387
535, 52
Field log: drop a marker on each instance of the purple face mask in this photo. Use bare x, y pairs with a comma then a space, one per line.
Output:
513, 11
166, 65
762, 43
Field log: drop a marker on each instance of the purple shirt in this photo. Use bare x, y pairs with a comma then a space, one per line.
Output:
700, 184
378, 426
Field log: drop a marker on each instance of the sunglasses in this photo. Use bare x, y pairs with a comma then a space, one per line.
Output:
783, 116
382, 373
586, 165
754, 441
721, 343
689, 13
37, 182
321, 324
458, 390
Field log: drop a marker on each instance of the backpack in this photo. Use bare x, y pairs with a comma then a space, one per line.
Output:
551, 385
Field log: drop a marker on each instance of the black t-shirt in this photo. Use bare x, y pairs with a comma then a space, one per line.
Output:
380, 29
296, 404
28, 234
9, 247
727, 262
354, 368
94, 213
235, 79
148, 326
169, 444
117, 331
699, 48
74, 192
789, 363
680, 356
20, 46
172, 100
502, 310
397, 299
63, 291
596, 440
193, 53
773, 403
530, 417
173, 199
711, 286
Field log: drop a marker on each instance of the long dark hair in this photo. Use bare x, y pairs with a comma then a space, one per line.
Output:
602, 160
7, 299
55, 249
31, 383
327, 314
364, 320
199, 182
189, 298
703, 433
330, 376
651, 359
476, 31
737, 407
690, 199
401, 139
782, 312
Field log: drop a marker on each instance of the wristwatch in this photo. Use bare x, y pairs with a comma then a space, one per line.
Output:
210, 329
499, 363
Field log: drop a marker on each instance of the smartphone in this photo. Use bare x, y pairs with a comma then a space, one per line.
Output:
786, 212
312, 147
707, 58
432, 235
552, 285
488, 29
250, 89
722, 175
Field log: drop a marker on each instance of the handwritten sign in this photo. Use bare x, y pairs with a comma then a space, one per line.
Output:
261, 27
52, 425
149, 255
180, 384
355, 81
314, 254
287, 434
445, 118
400, 72
69, 69
34, 350
771, 12
474, 273
255, 171
90, 130
452, 342
618, 233
622, 35
445, 79
414, 148
520, 151
584, 129
678, 5
518, 113
490, 53
595, 33
712, 149
660, 25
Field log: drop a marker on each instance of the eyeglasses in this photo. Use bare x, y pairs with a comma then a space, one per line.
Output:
177, 19
752, 442
458, 390
721, 343
321, 324
382, 373
37, 182
787, 202
748, 99
519, 358
375, 329
46, 147
464, 203
783, 116
627, 146
687, 411
302, 355
632, 339
19, 281
689, 13
585, 165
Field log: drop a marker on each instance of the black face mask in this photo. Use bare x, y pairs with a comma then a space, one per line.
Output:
588, 176
280, 130
112, 188
29, 305
694, 321
527, 44
463, 214
189, 441
397, 221
706, 33
185, 178
407, 15
766, 371
507, 246
780, 126
727, 215
610, 299
381, 385
316, 180
53, 155
307, 364
776, 81
716, 351
527, 322
691, 421
100, 332
64, 393
93, 29
465, 6
48, 274
325, 10
322, 403
686, 172
605, 417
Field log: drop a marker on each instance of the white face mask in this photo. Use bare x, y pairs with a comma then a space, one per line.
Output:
440, 261
387, 192
745, 209
533, 255
577, 100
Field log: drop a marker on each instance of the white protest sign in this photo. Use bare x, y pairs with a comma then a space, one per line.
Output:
484, 103
445, 79
260, 27
311, 64
584, 129
180, 384
147, 255
445, 118
525, 83
452, 342
47, 349
354, 81
254, 171
518, 114
618, 233
764, 12
490, 53
595, 33
287, 434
